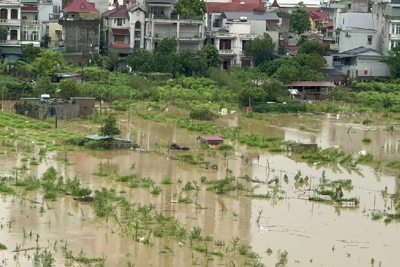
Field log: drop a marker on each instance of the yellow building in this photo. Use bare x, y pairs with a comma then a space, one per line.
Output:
55, 33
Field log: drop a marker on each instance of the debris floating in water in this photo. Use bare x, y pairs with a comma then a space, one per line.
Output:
262, 230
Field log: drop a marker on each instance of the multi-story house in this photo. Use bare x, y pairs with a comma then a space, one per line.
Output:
80, 23
386, 16
116, 29
10, 20
30, 23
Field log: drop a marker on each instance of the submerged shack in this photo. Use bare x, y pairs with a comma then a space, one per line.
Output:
111, 142
213, 140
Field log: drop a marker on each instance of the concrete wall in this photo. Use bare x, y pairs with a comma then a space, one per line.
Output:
183, 46
375, 69
134, 16
45, 9
382, 25
52, 33
113, 23
355, 20
351, 39
86, 106
79, 35
360, 5
29, 15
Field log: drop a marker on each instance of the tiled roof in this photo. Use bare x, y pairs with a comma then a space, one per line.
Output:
316, 84
80, 6
29, 8
118, 12
120, 31
120, 46
328, 25
214, 7
247, 1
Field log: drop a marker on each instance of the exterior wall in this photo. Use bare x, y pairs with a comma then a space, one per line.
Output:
81, 36
134, 16
358, 38
101, 5
29, 15
382, 23
373, 66
14, 24
113, 23
55, 39
360, 5
86, 106
355, 20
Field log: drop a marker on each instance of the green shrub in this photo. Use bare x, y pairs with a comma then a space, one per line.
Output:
201, 114
367, 140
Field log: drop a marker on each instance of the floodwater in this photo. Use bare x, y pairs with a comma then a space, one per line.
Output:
313, 234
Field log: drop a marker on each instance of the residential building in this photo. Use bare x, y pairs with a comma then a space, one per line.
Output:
386, 17
231, 43
80, 29
10, 18
117, 30
157, 19
260, 23
30, 24
361, 63
289, 5
318, 19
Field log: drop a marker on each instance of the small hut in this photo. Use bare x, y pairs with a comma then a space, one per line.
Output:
213, 140
111, 142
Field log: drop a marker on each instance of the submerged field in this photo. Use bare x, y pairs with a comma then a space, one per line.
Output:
280, 209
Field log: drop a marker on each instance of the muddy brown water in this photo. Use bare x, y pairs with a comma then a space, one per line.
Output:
308, 231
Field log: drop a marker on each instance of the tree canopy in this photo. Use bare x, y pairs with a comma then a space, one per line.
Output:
190, 7
47, 62
68, 88
43, 86
260, 49
209, 54
312, 47
393, 61
109, 127
30, 53
300, 19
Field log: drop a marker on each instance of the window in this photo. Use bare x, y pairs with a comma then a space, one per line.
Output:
14, 14
369, 40
244, 44
34, 36
13, 35
137, 34
225, 44
120, 21
395, 28
3, 13
119, 39
217, 23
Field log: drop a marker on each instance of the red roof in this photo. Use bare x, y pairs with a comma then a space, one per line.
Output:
120, 46
293, 53
313, 84
316, 14
247, 1
214, 7
118, 12
211, 138
120, 31
29, 8
328, 25
80, 6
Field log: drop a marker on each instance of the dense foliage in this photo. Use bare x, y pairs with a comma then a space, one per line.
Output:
300, 19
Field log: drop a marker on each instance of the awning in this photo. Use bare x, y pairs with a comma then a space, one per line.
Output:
120, 31
11, 50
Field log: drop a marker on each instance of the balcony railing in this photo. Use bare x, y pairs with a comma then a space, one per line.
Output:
9, 1
10, 42
189, 35
10, 21
248, 35
334, 47
164, 34
173, 17
226, 52
30, 22
394, 36
223, 34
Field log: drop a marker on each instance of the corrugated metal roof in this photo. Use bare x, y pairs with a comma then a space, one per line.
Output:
211, 138
313, 84
251, 15
96, 137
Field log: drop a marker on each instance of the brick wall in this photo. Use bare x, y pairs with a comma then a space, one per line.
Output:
86, 107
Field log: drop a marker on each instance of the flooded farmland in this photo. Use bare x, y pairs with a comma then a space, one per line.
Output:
312, 233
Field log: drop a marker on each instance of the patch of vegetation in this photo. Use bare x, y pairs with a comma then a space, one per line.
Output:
2, 246
366, 140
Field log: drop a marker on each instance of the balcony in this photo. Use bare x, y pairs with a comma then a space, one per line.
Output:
226, 52
30, 22
334, 47
195, 36
162, 18
223, 35
10, 42
10, 2
10, 22
248, 36
161, 35
394, 37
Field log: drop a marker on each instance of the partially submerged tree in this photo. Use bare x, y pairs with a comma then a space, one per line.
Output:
300, 19
109, 127
260, 49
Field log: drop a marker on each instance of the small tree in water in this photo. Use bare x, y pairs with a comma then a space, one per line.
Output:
109, 127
